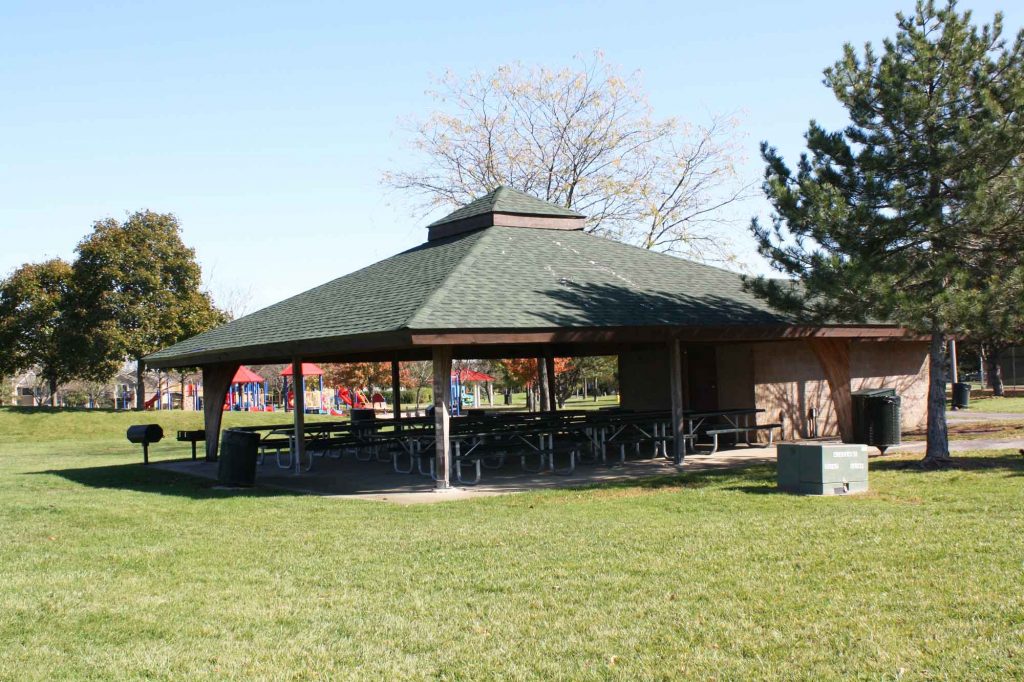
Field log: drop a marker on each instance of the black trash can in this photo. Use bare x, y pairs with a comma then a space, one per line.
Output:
884, 421
238, 454
862, 401
961, 396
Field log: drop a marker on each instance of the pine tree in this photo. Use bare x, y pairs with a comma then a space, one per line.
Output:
895, 216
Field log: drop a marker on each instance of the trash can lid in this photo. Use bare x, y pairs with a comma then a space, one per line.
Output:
874, 392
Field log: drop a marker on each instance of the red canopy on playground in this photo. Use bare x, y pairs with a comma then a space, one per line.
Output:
468, 376
244, 375
308, 370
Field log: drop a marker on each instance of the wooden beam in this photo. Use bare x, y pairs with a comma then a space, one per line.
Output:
549, 363
396, 390
408, 345
216, 382
834, 357
675, 376
442, 358
299, 414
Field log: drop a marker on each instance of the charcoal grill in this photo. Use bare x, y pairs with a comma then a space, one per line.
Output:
144, 434
192, 437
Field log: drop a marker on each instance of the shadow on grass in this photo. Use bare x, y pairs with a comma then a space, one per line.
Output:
751, 476
1012, 463
147, 479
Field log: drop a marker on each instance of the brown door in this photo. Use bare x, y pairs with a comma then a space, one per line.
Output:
702, 377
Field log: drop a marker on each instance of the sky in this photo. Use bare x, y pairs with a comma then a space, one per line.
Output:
266, 127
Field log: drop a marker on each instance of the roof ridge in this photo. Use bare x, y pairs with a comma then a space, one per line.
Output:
443, 284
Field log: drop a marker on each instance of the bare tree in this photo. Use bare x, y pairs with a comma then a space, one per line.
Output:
584, 138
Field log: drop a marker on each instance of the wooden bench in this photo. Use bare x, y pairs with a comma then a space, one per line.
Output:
745, 430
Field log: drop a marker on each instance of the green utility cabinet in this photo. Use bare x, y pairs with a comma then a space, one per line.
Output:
823, 468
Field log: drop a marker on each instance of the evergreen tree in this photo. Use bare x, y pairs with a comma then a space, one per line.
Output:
894, 216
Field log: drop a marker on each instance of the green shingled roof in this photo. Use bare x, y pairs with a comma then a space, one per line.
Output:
507, 200
497, 278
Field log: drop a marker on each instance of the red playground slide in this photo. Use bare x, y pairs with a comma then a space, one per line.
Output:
346, 397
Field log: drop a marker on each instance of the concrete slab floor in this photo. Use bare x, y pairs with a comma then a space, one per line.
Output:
351, 479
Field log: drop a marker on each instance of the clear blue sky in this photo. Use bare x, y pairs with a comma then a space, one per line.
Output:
265, 126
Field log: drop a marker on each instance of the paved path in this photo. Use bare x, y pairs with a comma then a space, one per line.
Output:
964, 416
967, 444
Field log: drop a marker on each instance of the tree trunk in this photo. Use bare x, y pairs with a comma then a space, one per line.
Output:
53, 391
140, 385
529, 397
490, 394
937, 450
995, 375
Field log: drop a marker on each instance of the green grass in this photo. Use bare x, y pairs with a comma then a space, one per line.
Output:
573, 403
998, 405
109, 570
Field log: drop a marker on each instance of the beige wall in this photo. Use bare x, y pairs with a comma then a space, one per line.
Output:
785, 378
902, 365
789, 382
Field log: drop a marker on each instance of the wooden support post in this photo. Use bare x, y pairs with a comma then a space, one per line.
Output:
216, 381
542, 385
955, 374
834, 357
396, 390
549, 363
675, 370
442, 414
299, 414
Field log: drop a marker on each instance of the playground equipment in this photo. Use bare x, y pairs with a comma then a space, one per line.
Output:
315, 400
353, 400
247, 392
466, 388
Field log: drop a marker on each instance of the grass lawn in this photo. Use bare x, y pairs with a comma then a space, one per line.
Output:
109, 570
1002, 429
572, 403
998, 405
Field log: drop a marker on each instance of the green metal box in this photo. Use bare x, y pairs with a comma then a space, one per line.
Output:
822, 468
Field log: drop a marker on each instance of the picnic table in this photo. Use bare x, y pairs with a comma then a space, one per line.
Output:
486, 440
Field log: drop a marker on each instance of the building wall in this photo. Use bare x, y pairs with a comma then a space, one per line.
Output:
643, 379
789, 382
785, 378
735, 365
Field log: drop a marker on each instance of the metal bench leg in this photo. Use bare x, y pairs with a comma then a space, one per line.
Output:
288, 464
458, 472
530, 470
396, 457
714, 443
569, 469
